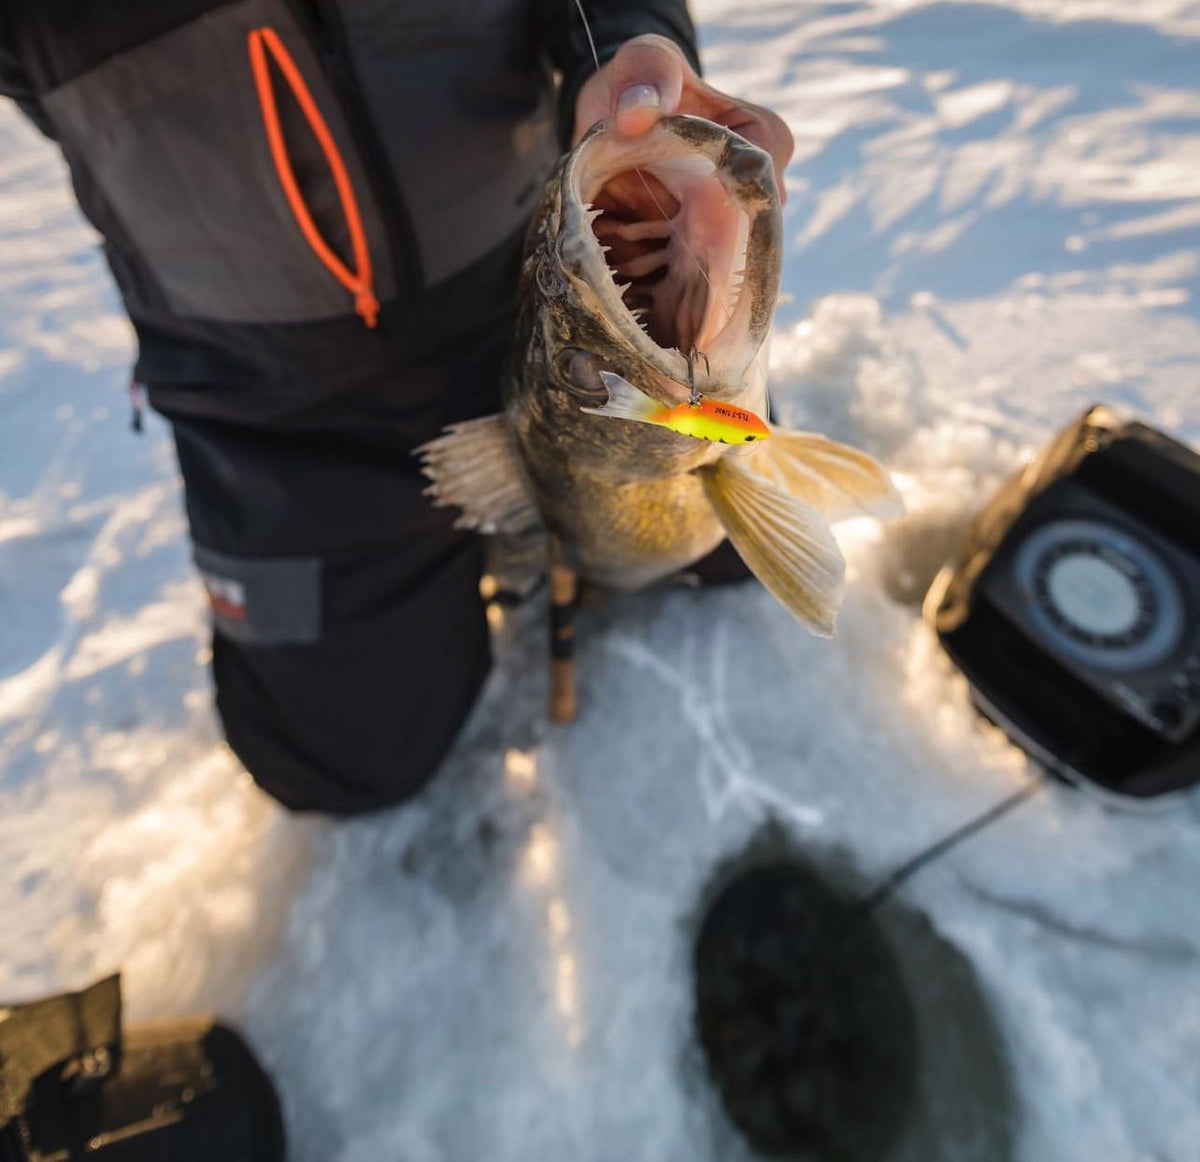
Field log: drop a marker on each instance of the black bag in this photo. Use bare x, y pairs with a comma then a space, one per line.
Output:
74, 1085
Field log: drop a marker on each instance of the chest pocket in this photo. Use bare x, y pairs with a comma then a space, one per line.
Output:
213, 162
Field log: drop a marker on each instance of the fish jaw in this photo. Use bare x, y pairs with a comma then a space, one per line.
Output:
723, 257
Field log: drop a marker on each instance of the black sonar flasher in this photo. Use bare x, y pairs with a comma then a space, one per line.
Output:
1073, 607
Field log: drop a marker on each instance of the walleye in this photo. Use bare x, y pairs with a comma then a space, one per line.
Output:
648, 286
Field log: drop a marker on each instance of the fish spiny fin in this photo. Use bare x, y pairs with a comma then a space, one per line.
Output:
475, 466
625, 402
837, 480
785, 542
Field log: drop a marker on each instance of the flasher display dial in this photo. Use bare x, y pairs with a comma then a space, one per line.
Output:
1100, 594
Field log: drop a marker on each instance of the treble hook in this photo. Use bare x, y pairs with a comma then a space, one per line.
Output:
693, 391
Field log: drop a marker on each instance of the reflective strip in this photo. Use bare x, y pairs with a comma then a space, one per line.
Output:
359, 281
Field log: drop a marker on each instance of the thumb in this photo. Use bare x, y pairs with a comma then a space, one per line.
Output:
645, 82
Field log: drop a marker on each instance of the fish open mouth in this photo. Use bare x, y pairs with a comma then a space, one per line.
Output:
674, 242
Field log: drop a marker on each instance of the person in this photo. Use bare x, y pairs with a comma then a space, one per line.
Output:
313, 211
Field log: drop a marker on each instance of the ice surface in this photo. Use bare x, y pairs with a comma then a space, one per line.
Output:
992, 223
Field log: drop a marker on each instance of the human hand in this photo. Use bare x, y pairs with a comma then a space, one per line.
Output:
650, 78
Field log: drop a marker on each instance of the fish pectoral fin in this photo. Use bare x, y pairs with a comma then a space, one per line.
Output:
837, 480
784, 540
625, 402
475, 466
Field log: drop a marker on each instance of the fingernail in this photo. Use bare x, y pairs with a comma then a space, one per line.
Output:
638, 97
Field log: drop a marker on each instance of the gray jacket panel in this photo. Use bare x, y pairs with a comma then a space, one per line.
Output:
173, 134
467, 118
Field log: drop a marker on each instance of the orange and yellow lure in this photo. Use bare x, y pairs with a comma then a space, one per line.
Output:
705, 419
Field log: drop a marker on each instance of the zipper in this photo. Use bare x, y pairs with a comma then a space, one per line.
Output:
327, 30
266, 49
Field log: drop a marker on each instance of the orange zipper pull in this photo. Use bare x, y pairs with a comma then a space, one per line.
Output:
366, 305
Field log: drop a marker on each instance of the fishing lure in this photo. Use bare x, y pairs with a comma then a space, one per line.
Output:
700, 418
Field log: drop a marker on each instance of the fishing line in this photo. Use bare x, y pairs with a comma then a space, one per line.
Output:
587, 28
940, 847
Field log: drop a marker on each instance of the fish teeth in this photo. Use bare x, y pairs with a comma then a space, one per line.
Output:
638, 314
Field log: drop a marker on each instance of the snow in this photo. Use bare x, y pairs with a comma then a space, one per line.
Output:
992, 223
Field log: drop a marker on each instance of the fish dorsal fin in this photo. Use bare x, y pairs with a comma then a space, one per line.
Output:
475, 466
784, 540
625, 402
837, 480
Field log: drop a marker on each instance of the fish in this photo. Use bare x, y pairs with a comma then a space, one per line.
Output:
634, 428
